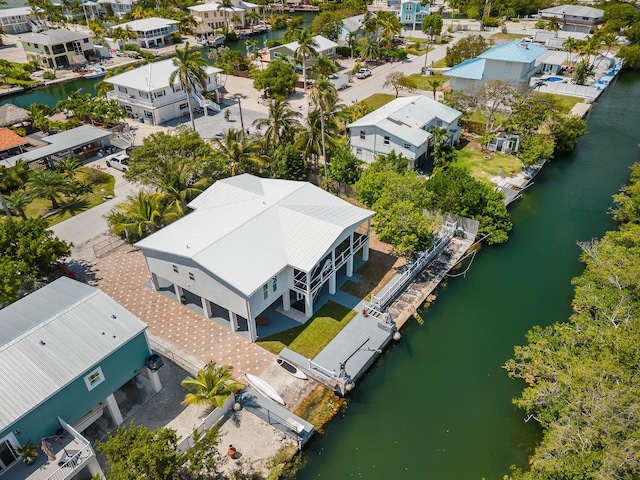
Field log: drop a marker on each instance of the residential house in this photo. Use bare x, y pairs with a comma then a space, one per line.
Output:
16, 20
412, 12
512, 62
10, 143
325, 48
145, 92
151, 32
503, 142
59, 48
574, 18
81, 12
351, 25
68, 352
118, 7
82, 142
216, 16
253, 244
403, 126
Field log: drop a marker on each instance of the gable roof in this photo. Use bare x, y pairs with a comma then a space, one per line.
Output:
145, 24
246, 229
473, 69
574, 11
14, 12
323, 44
8, 139
514, 51
152, 76
53, 336
352, 24
54, 37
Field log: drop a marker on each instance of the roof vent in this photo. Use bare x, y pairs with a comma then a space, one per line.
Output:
113, 316
42, 342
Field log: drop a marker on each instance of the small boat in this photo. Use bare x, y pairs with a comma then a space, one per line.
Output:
216, 41
291, 369
94, 71
264, 388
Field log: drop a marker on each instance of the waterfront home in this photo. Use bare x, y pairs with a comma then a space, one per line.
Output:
514, 62
10, 143
151, 32
145, 92
348, 26
86, 9
16, 20
118, 7
412, 12
82, 142
59, 48
253, 244
403, 126
71, 356
574, 18
217, 16
325, 48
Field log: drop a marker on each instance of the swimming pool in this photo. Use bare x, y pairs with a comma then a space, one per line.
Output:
553, 79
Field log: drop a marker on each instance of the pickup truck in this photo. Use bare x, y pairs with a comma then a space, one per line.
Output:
119, 161
363, 73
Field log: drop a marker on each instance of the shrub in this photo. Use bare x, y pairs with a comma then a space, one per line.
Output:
177, 38
275, 43
97, 176
49, 75
491, 22
343, 51
131, 47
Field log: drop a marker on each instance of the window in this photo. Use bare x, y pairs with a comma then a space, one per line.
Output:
358, 151
175, 269
159, 94
407, 18
274, 284
183, 106
408, 7
362, 135
192, 276
386, 140
85, 40
8, 453
206, 15
407, 145
94, 379
265, 291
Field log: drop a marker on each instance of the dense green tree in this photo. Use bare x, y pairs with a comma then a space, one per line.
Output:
565, 130
277, 80
323, 66
465, 49
443, 151
289, 163
536, 148
618, 16
328, 24
344, 166
212, 386
189, 73
432, 24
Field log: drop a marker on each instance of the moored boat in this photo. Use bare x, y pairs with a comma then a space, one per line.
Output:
291, 369
264, 388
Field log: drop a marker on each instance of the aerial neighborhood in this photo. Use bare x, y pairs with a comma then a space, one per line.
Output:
216, 218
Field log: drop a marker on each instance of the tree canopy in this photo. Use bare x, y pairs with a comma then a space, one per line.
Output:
277, 80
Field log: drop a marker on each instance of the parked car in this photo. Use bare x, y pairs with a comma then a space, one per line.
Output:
363, 73
119, 161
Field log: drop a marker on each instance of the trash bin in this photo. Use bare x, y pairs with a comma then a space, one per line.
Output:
141, 119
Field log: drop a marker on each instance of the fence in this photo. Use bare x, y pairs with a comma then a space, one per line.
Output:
214, 417
190, 364
571, 89
106, 246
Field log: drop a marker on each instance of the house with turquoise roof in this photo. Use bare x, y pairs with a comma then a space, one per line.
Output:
412, 12
68, 353
512, 62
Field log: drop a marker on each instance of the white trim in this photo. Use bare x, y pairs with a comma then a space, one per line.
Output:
93, 384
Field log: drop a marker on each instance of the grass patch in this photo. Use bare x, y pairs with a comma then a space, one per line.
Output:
422, 80
439, 64
309, 339
376, 273
566, 101
96, 178
17, 81
377, 100
484, 169
506, 37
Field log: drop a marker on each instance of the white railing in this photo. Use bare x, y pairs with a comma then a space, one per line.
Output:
210, 420
145, 102
76, 462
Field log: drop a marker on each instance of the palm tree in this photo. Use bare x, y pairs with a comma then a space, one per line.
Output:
352, 41
370, 24
434, 83
212, 386
570, 44
553, 25
97, 29
324, 97
281, 126
390, 27
238, 151
306, 48
176, 184
225, 5
69, 166
19, 200
48, 184
323, 66
189, 73
370, 50
128, 33
138, 13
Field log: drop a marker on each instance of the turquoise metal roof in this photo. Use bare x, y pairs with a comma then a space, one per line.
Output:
514, 51
471, 69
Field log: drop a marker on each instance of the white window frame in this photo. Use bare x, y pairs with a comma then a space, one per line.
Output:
91, 384
10, 439
363, 135
386, 141
265, 291
274, 284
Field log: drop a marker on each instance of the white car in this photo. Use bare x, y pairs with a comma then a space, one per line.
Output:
363, 73
119, 161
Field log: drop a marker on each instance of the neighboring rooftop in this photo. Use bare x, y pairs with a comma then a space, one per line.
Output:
514, 51
146, 24
473, 69
8, 139
323, 44
14, 12
54, 37
353, 23
573, 11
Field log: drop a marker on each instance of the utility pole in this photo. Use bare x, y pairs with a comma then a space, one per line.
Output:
426, 54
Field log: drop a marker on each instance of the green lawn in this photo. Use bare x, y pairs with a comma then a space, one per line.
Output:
98, 180
566, 101
422, 80
482, 168
439, 64
377, 100
506, 37
309, 339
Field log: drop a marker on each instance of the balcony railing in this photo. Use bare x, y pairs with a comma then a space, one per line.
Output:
147, 102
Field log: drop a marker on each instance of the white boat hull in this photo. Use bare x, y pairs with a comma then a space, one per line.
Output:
264, 388
291, 369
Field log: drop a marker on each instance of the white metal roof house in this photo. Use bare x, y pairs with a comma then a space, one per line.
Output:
350, 25
15, 20
151, 32
145, 92
574, 18
254, 242
58, 48
216, 16
326, 48
402, 125
66, 352
118, 7
513, 61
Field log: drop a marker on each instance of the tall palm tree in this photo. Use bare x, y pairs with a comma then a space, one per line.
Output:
390, 27
238, 151
225, 5
570, 45
323, 66
48, 184
434, 83
370, 49
369, 24
324, 98
176, 184
352, 41
19, 200
281, 126
306, 49
212, 386
190, 73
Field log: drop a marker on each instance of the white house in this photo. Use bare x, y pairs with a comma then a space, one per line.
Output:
118, 7
216, 16
252, 242
574, 18
348, 26
325, 48
145, 92
403, 126
151, 32
59, 48
514, 61
16, 20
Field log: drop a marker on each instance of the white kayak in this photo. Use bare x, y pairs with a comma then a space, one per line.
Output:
291, 369
264, 388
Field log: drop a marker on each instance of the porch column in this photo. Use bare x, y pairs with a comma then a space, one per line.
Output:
350, 266
365, 247
234, 321
179, 292
286, 301
154, 378
114, 409
94, 468
253, 331
308, 306
332, 283
206, 307
154, 282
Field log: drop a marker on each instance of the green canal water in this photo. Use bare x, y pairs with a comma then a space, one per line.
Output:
438, 405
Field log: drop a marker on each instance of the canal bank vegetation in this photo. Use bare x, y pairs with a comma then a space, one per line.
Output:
581, 376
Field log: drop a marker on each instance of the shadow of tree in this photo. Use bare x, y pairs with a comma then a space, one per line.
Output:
84, 271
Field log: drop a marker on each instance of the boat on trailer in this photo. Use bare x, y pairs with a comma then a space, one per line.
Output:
291, 369
264, 388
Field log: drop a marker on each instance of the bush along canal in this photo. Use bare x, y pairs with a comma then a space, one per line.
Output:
438, 404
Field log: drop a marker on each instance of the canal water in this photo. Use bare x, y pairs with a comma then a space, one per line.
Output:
438, 405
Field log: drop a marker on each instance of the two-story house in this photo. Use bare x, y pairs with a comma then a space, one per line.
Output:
117, 7
325, 48
348, 26
68, 352
251, 243
217, 16
403, 126
412, 12
145, 92
512, 62
574, 18
16, 20
59, 48
151, 32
